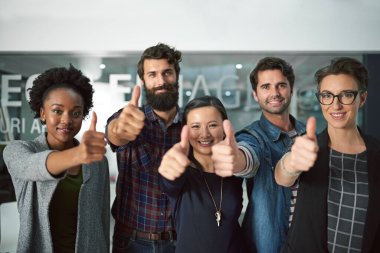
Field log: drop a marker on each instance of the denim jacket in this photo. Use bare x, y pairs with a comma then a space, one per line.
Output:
266, 220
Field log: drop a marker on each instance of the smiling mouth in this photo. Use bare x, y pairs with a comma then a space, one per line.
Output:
205, 142
337, 115
275, 102
161, 91
65, 130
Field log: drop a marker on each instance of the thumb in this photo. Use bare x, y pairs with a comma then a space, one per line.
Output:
94, 119
311, 126
135, 95
184, 144
229, 132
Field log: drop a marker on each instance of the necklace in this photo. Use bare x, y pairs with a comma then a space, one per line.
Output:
218, 212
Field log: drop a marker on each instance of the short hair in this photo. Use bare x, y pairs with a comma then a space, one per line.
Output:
54, 78
160, 51
203, 102
347, 66
272, 63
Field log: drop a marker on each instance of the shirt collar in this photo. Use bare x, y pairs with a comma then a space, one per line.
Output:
152, 117
274, 132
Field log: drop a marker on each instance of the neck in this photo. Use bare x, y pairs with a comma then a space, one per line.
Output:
281, 121
59, 146
167, 116
346, 140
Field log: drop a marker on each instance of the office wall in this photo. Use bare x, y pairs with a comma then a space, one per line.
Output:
195, 25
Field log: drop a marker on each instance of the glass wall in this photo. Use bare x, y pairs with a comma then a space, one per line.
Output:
225, 75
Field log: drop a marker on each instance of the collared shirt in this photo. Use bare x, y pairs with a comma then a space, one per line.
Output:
265, 223
140, 204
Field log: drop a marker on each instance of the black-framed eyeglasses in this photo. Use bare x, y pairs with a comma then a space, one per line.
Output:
346, 97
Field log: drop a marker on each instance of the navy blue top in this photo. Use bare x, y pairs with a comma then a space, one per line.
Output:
194, 212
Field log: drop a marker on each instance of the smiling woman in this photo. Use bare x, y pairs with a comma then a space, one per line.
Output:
61, 185
338, 198
195, 191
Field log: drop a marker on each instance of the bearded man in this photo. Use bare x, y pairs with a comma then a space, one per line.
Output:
140, 137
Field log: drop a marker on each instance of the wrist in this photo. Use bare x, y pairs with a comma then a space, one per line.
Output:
285, 171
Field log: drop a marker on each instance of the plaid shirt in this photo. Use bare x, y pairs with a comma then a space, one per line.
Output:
140, 204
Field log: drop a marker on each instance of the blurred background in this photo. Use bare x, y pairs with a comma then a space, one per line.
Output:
221, 42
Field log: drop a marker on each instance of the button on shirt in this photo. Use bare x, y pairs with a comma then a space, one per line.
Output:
140, 203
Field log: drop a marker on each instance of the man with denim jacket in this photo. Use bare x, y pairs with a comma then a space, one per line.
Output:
257, 149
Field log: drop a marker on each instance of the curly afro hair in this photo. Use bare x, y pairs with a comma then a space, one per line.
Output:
54, 78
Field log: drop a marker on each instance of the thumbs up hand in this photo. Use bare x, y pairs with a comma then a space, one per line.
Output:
92, 147
175, 161
130, 122
225, 153
304, 150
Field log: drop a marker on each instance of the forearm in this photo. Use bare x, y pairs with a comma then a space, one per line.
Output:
59, 162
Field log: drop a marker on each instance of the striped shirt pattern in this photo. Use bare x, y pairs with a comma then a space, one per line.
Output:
294, 188
140, 204
347, 201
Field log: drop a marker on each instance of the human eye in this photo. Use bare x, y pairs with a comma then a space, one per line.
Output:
194, 126
325, 95
77, 114
348, 94
151, 74
57, 111
265, 86
213, 125
168, 73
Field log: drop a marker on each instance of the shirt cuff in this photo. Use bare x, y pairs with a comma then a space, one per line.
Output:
248, 171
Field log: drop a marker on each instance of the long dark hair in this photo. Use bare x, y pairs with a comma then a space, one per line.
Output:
198, 103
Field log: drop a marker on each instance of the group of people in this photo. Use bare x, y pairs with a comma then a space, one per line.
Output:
179, 187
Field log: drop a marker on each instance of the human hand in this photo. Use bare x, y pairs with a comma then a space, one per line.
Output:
224, 154
175, 160
92, 147
304, 150
131, 119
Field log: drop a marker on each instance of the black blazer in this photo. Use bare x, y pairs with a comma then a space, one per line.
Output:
308, 232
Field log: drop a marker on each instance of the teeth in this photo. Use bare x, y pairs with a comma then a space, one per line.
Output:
205, 142
337, 114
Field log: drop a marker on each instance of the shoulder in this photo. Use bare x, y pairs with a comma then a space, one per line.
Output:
18, 146
249, 128
372, 143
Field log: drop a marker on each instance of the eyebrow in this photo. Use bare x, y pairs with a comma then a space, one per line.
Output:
340, 91
274, 84
64, 106
164, 70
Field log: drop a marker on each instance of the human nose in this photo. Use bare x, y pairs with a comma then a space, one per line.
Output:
336, 102
160, 79
205, 132
274, 91
66, 118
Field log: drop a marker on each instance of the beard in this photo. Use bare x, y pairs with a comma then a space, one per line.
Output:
162, 101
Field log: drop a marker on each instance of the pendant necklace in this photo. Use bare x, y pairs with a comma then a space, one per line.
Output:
218, 212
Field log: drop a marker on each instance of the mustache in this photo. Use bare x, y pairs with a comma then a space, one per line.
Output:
167, 86
276, 97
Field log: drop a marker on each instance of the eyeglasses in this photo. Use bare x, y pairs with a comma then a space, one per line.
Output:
346, 97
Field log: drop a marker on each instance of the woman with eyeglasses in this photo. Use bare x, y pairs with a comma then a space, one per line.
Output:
338, 202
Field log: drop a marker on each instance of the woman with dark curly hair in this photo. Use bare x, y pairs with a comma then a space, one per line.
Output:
62, 185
